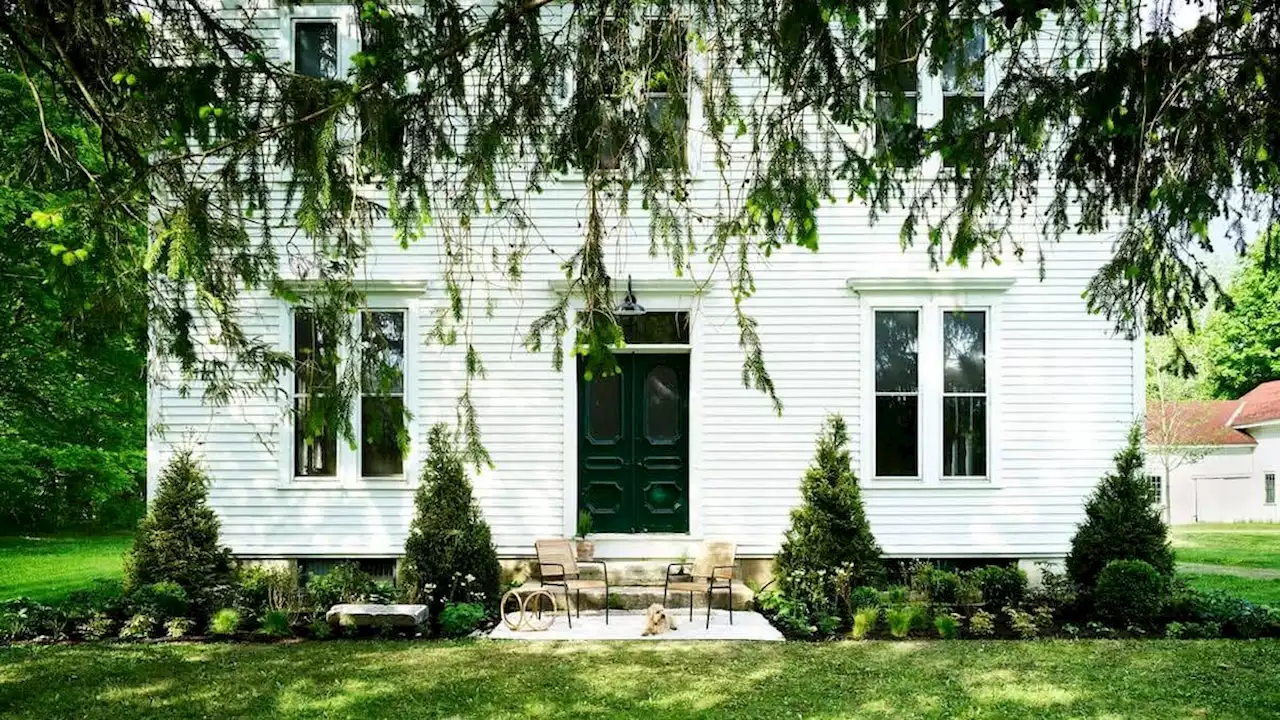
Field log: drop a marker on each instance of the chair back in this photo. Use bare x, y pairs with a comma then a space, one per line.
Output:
553, 552
716, 554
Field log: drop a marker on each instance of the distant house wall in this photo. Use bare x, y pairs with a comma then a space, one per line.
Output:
1227, 485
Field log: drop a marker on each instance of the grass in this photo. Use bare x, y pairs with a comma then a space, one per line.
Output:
1264, 591
1050, 679
1246, 545
47, 568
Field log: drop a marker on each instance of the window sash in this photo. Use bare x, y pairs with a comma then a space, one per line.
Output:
379, 454
1269, 484
896, 383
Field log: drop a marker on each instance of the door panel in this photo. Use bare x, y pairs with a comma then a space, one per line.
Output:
633, 446
604, 452
662, 443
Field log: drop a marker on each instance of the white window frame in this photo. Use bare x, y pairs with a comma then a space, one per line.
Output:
342, 15
931, 306
349, 474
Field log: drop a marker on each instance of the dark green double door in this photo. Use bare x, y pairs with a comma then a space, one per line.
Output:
633, 446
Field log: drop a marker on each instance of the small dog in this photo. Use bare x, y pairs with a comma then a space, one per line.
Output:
658, 620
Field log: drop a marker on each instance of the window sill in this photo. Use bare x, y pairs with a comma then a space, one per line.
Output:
334, 484
920, 484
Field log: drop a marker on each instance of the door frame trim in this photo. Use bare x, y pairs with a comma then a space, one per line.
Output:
657, 299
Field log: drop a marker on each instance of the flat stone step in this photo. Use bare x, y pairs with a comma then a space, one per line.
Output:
640, 597
362, 615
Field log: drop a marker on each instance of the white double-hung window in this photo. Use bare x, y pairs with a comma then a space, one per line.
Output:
380, 425
928, 407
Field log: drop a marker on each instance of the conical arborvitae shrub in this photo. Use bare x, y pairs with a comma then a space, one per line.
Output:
449, 554
177, 541
829, 531
1122, 522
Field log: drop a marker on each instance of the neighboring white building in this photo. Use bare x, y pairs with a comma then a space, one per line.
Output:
985, 403
1217, 460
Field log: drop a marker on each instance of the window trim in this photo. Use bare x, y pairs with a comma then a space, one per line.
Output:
931, 306
342, 15
349, 474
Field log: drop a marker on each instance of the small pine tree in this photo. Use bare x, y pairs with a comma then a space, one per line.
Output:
177, 541
829, 530
1122, 522
449, 555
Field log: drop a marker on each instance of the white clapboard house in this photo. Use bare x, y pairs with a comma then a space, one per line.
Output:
984, 402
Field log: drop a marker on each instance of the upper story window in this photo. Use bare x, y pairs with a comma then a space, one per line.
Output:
378, 414
662, 55
315, 48
906, 98
930, 416
666, 85
897, 78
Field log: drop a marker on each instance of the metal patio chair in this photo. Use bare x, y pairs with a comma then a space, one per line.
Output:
713, 569
558, 566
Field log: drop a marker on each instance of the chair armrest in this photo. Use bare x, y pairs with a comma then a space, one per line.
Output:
604, 567
542, 575
682, 567
733, 571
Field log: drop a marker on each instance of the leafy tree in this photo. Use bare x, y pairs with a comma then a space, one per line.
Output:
829, 542
72, 329
1121, 522
449, 555
177, 541
1243, 341
1105, 116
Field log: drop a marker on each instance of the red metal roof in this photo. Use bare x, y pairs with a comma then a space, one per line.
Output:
1259, 405
1194, 422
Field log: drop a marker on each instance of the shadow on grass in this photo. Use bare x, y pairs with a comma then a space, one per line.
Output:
656, 680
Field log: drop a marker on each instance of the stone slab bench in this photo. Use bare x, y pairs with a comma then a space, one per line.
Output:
363, 615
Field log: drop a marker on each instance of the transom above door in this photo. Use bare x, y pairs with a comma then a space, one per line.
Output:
633, 445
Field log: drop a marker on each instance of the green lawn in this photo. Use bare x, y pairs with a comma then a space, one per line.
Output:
47, 568
1152, 679
1264, 591
1252, 545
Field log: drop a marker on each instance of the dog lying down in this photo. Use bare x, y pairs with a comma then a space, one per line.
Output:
658, 620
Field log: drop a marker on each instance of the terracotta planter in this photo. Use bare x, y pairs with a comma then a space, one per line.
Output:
586, 550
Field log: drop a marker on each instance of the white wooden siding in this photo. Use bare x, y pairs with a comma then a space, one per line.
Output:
1067, 397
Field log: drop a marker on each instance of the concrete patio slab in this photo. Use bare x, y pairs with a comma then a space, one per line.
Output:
627, 625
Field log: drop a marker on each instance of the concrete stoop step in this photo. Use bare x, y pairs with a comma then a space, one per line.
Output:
639, 597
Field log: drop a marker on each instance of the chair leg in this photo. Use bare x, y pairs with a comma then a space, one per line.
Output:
730, 589
577, 603
690, 607
606, 601
568, 615
708, 608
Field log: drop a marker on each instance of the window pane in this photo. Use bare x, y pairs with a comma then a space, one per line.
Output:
897, 348
604, 408
1270, 480
896, 435
662, 406
1157, 487
666, 131
963, 71
317, 455
896, 118
896, 47
655, 328
381, 430
665, 109
961, 111
315, 49
382, 352
964, 347
964, 437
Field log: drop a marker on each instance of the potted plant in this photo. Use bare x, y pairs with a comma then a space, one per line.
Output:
586, 548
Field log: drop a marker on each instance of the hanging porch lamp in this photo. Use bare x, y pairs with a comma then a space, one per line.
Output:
629, 307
